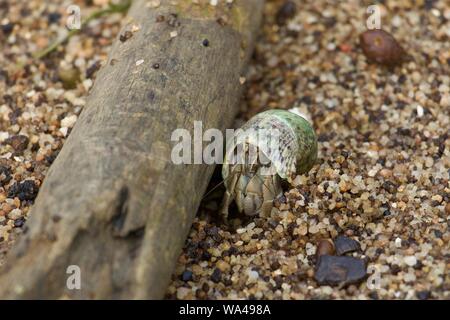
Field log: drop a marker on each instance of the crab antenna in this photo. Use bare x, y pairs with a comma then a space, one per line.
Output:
215, 187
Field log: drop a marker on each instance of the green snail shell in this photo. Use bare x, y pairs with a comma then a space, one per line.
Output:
296, 148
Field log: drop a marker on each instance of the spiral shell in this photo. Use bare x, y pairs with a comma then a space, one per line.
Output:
296, 149
287, 144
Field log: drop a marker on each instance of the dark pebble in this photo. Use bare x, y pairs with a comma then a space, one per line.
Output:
187, 275
423, 295
381, 47
345, 245
286, 12
205, 43
54, 17
275, 265
437, 233
395, 269
25, 190
389, 186
125, 36
19, 222
213, 232
5, 175
206, 256
273, 223
18, 142
7, 28
334, 270
50, 158
216, 275
374, 295
93, 69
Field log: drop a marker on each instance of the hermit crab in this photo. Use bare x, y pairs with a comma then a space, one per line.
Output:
272, 146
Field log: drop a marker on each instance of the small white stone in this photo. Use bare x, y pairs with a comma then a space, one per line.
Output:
310, 249
410, 260
409, 277
15, 214
398, 242
279, 228
64, 131
182, 292
139, 62
173, 34
69, 121
372, 172
252, 276
420, 111
3, 136
251, 225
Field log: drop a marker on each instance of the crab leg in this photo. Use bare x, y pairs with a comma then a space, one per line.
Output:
230, 192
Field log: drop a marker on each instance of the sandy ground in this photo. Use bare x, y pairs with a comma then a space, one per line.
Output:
382, 177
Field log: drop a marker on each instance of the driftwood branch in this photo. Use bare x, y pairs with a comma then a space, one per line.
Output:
113, 203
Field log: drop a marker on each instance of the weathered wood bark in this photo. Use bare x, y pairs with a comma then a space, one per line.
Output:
113, 203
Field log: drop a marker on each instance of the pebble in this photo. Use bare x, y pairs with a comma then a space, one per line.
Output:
216, 275
19, 222
345, 245
223, 266
7, 28
183, 292
15, 214
381, 47
187, 275
410, 260
447, 208
70, 77
69, 121
310, 249
25, 190
325, 247
286, 12
18, 142
423, 295
339, 270
252, 276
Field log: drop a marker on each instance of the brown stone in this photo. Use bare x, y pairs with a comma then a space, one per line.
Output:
381, 47
325, 247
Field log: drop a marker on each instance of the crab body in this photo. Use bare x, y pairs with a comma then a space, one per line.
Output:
271, 146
